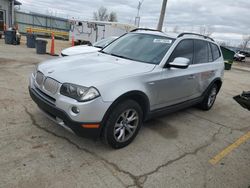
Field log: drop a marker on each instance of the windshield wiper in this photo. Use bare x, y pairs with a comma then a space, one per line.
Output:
104, 52
120, 56
99, 47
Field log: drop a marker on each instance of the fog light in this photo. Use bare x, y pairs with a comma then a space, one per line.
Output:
75, 110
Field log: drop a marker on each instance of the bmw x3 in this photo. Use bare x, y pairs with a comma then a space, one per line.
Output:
142, 74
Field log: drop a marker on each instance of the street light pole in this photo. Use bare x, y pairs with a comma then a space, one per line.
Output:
163, 10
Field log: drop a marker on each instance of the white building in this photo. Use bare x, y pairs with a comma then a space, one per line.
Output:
7, 13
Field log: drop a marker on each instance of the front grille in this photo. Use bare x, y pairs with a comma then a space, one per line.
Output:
39, 78
45, 96
51, 85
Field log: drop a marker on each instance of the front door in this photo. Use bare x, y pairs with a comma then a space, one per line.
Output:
179, 85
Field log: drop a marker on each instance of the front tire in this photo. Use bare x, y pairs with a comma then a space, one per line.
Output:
209, 98
123, 124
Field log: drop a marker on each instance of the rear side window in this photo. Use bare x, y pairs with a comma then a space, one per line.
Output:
184, 49
201, 52
210, 55
215, 51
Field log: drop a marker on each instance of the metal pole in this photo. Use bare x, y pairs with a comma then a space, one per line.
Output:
12, 13
138, 18
163, 10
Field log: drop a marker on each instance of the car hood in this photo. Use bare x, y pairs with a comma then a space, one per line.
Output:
92, 69
81, 49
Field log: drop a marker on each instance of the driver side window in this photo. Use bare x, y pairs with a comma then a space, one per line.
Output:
184, 49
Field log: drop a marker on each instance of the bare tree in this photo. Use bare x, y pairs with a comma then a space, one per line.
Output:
103, 15
176, 29
112, 17
206, 30
246, 40
223, 43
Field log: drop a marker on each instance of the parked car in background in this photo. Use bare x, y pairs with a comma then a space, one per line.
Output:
82, 49
247, 54
143, 74
239, 56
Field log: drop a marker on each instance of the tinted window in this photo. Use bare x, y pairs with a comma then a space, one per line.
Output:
140, 47
210, 55
1, 16
184, 49
215, 51
200, 51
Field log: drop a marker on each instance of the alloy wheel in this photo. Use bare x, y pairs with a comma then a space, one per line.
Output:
212, 97
126, 125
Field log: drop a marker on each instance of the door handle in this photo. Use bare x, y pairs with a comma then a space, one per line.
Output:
192, 76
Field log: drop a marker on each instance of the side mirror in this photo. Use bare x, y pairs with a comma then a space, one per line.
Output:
180, 63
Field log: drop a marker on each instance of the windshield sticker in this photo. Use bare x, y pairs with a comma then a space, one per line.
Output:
166, 41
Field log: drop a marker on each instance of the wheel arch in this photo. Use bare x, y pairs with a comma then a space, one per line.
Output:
217, 81
138, 96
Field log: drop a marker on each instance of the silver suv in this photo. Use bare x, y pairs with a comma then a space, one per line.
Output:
144, 73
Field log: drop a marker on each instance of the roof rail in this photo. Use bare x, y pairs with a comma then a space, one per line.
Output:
144, 29
206, 37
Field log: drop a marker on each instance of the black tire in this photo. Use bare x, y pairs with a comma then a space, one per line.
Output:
206, 104
112, 121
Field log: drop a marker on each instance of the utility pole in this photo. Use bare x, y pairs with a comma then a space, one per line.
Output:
163, 10
138, 18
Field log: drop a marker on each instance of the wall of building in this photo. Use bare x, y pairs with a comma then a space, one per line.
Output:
5, 7
35, 20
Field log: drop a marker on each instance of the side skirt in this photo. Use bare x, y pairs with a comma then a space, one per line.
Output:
174, 108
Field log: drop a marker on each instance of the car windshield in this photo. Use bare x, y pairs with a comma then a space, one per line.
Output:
104, 42
141, 47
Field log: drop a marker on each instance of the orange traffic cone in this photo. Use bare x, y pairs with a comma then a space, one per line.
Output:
52, 49
73, 40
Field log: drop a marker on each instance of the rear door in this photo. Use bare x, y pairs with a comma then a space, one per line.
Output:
205, 57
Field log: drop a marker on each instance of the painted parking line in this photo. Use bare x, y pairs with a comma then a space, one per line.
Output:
230, 148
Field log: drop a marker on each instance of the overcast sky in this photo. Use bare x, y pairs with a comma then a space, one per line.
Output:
228, 19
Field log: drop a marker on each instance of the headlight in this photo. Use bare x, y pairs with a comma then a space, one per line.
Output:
79, 93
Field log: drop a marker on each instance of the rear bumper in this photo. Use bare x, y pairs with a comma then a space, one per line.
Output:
64, 120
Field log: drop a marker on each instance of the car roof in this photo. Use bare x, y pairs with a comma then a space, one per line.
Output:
173, 35
159, 33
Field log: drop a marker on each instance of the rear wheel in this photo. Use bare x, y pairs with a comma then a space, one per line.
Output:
123, 124
210, 98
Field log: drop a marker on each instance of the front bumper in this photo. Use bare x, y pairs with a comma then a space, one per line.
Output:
63, 119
